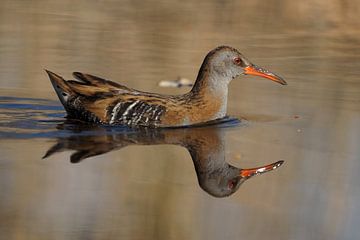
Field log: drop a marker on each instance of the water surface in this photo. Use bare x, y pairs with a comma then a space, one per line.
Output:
133, 185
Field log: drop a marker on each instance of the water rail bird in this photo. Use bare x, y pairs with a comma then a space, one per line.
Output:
94, 99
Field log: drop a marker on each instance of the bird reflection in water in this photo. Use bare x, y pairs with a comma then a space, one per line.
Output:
205, 144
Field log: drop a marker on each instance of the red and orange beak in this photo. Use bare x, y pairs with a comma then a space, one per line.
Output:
258, 71
250, 172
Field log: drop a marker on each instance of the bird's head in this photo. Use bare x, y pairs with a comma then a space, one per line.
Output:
226, 63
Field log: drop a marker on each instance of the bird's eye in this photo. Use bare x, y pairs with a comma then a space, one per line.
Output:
232, 183
237, 60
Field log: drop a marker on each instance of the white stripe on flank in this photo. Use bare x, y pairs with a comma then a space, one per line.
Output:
114, 111
130, 107
157, 113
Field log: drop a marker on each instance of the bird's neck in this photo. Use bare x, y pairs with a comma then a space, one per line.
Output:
211, 89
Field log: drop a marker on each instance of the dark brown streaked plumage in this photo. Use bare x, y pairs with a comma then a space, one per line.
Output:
97, 100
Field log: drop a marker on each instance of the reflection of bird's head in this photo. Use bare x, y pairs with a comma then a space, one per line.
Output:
223, 182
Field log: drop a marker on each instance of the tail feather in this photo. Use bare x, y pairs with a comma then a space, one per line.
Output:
54, 149
61, 87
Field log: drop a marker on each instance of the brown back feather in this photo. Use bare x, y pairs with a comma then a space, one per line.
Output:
89, 85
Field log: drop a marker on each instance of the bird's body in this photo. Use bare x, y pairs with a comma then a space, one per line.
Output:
97, 100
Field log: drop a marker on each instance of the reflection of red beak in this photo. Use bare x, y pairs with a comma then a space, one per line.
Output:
258, 71
246, 173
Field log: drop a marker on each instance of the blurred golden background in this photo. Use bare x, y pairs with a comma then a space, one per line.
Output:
151, 192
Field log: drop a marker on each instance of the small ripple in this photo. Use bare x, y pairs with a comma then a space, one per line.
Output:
28, 117
29, 106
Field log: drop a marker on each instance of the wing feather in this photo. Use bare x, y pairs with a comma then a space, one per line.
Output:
89, 85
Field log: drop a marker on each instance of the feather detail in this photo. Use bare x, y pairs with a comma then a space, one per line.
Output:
98, 100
